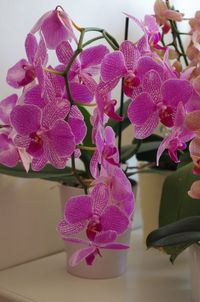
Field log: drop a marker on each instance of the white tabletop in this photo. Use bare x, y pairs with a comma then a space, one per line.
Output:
150, 278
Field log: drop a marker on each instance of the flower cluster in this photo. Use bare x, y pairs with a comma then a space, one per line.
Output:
45, 125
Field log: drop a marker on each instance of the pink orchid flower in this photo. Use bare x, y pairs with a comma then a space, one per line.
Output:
101, 221
82, 83
105, 103
93, 213
25, 71
178, 137
57, 22
127, 58
120, 189
160, 98
195, 154
44, 133
194, 191
151, 31
192, 123
106, 152
162, 13
103, 240
9, 154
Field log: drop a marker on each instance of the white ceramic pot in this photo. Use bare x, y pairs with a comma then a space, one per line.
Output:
148, 196
195, 272
29, 212
110, 265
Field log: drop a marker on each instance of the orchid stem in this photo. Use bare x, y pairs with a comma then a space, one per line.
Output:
84, 104
89, 148
121, 110
76, 174
53, 71
92, 40
176, 36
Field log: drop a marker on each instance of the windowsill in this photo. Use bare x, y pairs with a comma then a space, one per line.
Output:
150, 277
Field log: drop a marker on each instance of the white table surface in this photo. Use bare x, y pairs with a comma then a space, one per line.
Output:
150, 278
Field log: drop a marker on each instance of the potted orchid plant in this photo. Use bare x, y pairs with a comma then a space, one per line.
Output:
48, 126
180, 209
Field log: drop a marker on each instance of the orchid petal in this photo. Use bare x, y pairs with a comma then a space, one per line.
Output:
194, 191
146, 129
26, 119
9, 155
65, 228
31, 47
131, 54
64, 53
52, 24
152, 83
114, 219
110, 70
81, 93
105, 237
100, 196
93, 55
6, 106
20, 74
115, 246
33, 96
192, 120
175, 91
80, 255
146, 64
62, 138
78, 209
136, 112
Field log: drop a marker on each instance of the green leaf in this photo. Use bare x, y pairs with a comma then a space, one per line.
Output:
175, 201
176, 236
187, 224
126, 122
127, 152
48, 173
88, 138
86, 155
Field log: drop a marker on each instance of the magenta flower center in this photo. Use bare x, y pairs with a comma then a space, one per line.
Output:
131, 81
181, 146
36, 138
166, 114
94, 226
29, 75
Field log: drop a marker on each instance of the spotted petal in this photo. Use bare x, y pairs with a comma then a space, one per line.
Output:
81, 255
175, 91
26, 119
146, 129
93, 55
136, 112
110, 70
152, 84
62, 138
65, 228
100, 197
6, 106
105, 237
78, 209
114, 219
9, 155
31, 47
131, 54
